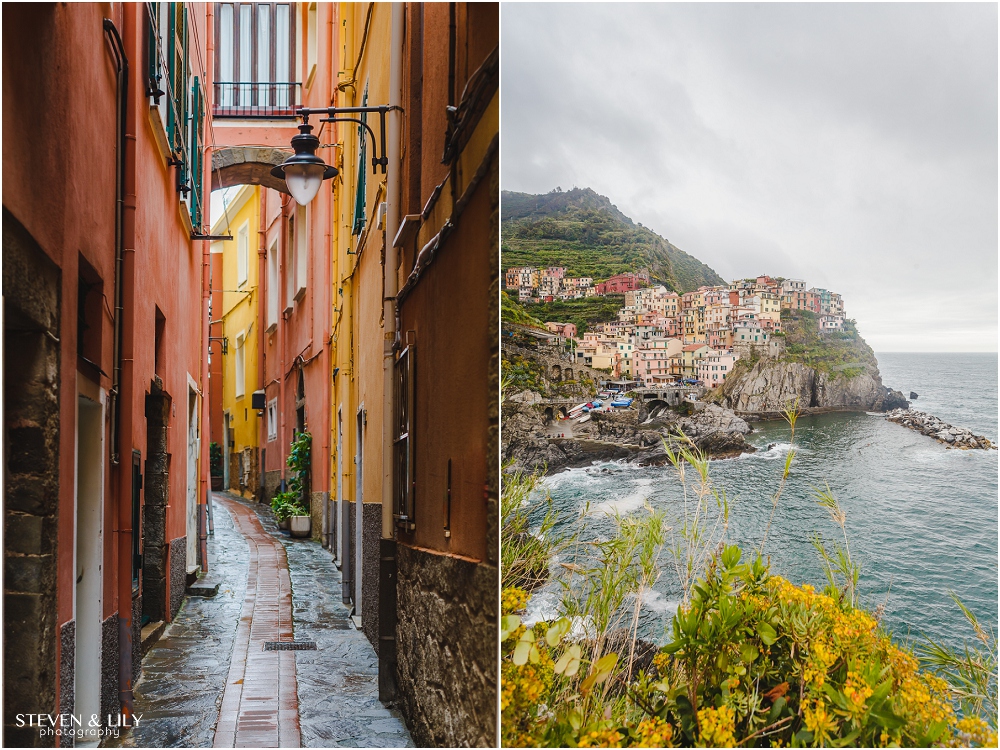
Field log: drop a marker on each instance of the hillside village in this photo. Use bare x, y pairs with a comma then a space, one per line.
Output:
663, 337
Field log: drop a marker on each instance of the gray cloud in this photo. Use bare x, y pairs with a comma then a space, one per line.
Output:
854, 145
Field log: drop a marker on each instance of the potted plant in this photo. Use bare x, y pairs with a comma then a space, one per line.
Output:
291, 507
282, 504
300, 523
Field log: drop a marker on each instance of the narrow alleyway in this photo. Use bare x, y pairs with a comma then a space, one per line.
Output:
210, 680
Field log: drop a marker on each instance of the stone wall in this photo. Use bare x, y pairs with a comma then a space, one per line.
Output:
558, 367
67, 673
272, 480
178, 573
31, 481
154, 514
448, 693
317, 508
371, 534
244, 472
110, 698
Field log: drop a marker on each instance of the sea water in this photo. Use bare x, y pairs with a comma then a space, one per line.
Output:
921, 519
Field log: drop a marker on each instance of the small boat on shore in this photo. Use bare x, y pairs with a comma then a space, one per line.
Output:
584, 418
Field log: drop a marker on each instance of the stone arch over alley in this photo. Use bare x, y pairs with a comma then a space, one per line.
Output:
247, 165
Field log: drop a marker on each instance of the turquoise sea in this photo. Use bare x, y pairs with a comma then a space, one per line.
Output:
921, 519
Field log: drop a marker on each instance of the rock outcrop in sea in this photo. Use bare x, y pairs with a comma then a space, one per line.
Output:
529, 443
927, 424
769, 385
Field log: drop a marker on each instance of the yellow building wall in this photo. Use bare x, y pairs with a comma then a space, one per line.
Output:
357, 272
239, 319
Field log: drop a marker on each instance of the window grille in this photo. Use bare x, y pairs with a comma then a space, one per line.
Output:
255, 49
404, 480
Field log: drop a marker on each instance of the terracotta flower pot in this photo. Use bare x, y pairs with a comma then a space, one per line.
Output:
301, 526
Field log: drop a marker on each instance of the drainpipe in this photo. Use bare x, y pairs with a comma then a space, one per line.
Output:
124, 478
387, 546
263, 302
121, 63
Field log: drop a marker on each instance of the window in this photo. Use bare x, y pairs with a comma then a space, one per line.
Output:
272, 420
402, 443
241, 370
177, 96
312, 50
301, 249
290, 265
242, 254
273, 292
360, 197
254, 57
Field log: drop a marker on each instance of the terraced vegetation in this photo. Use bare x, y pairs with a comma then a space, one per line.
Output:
583, 232
580, 312
840, 352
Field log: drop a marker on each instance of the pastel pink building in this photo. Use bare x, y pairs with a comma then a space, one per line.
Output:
563, 329
713, 369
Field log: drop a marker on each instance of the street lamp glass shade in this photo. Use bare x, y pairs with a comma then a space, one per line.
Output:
303, 181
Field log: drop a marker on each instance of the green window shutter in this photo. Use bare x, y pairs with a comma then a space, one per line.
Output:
172, 65
154, 76
196, 123
182, 102
360, 196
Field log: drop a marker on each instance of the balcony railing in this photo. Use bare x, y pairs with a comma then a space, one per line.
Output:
267, 99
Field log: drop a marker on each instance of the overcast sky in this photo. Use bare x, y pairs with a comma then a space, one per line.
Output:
851, 145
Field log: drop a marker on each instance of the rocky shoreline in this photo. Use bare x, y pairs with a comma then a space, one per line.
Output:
530, 442
927, 424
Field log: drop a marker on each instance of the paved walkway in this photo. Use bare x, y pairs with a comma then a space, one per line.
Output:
209, 681
260, 703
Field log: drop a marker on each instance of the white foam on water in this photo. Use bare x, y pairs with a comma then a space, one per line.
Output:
655, 601
776, 452
543, 605
627, 503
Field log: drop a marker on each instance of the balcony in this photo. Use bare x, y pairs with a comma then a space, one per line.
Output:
268, 100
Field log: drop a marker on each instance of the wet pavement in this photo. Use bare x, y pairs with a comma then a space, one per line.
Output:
211, 658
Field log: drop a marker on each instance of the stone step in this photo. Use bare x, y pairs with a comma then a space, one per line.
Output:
150, 634
203, 587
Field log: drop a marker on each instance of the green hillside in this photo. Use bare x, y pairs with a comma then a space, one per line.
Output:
581, 312
831, 351
511, 311
584, 232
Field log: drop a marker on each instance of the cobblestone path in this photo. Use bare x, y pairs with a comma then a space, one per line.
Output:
208, 681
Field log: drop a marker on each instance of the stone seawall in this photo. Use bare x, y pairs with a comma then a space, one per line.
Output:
927, 424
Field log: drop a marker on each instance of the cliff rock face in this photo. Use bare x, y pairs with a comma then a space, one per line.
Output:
770, 385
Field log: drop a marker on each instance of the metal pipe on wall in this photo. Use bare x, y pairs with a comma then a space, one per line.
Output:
393, 197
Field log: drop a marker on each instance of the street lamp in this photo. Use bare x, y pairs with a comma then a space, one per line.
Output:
303, 171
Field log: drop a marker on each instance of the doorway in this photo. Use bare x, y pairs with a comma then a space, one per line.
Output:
88, 603
226, 443
339, 526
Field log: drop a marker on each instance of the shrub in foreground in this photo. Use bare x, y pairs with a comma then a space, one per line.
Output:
753, 661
